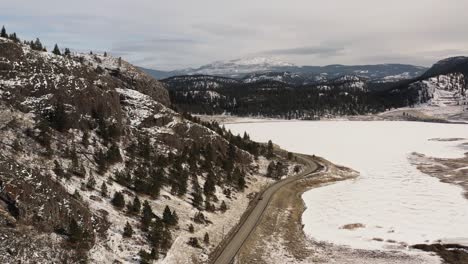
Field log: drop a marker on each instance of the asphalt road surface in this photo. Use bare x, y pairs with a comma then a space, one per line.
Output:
235, 243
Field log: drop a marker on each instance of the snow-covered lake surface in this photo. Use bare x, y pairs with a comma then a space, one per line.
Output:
391, 198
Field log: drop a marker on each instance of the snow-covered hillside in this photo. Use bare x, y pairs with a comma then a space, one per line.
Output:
238, 67
95, 167
443, 90
350, 82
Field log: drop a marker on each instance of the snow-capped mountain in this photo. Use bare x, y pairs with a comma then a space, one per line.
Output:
250, 67
238, 67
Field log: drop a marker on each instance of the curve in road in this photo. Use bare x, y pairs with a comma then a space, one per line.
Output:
235, 243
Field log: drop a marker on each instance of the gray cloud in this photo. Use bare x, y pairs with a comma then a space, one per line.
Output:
225, 30
182, 33
152, 44
323, 52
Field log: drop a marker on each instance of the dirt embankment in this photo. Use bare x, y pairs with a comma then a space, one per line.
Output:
279, 237
454, 171
450, 253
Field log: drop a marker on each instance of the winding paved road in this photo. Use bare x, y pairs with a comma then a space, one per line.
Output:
233, 246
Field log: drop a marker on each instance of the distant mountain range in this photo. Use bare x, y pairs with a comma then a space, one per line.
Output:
343, 92
241, 68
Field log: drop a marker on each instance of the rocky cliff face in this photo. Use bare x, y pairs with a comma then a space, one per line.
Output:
89, 147
443, 90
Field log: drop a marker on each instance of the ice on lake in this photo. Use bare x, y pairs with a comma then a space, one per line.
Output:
394, 201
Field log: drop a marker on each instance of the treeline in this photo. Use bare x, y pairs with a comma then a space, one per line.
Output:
277, 100
34, 44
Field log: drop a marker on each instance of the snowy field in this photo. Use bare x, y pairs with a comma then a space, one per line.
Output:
391, 204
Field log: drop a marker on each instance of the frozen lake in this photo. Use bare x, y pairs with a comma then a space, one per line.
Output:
391, 198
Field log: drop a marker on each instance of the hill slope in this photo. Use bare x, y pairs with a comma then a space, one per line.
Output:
94, 165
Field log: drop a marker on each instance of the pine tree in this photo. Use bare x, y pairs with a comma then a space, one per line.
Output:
113, 154
241, 183
206, 239
14, 37
181, 179
118, 200
58, 118
166, 239
156, 182
147, 215
135, 207
145, 257
155, 253
271, 169
209, 187
246, 137
155, 233
269, 149
67, 52
128, 230
3, 33
168, 218
104, 191
37, 45
223, 207
58, 170
56, 50
91, 183
191, 229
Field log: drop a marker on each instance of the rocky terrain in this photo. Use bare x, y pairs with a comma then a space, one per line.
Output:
96, 167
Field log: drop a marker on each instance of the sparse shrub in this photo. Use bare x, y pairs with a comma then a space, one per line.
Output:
16, 145
193, 241
199, 218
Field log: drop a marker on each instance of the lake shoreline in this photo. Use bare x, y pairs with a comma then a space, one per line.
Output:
283, 221
308, 248
386, 116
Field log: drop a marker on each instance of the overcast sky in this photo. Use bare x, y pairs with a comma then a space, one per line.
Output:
175, 34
